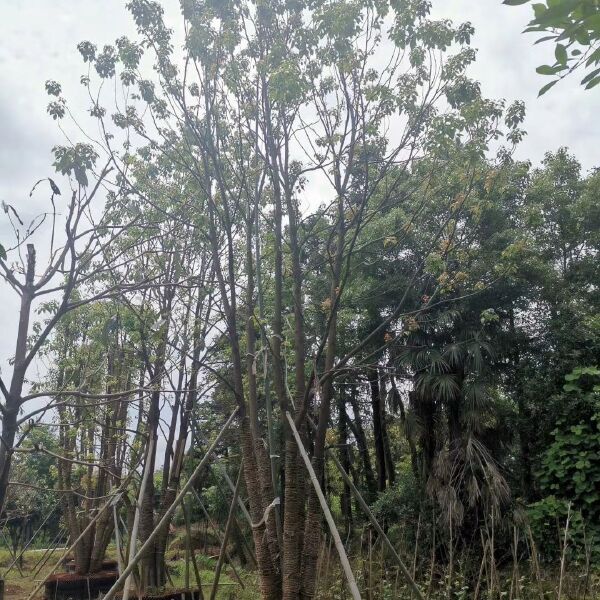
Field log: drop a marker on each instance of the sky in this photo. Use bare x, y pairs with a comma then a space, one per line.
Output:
39, 39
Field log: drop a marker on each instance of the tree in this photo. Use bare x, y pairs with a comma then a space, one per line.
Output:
71, 262
31, 501
314, 235
271, 94
94, 357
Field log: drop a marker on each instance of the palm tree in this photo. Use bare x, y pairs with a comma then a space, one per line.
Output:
451, 413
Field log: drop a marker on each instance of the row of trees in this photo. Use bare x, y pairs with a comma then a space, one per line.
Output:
310, 212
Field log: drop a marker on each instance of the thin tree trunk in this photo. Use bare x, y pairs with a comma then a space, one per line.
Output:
13, 401
377, 413
346, 499
363, 449
133, 561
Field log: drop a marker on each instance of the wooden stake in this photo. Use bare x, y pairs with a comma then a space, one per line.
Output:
188, 528
239, 500
187, 562
217, 533
106, 505
563, 557
328, 517
377, 526
136, 518
118, 540
17, 558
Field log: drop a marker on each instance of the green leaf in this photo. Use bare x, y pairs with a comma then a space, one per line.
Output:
593, 58
590, 371
515, 2
539, 9
592, 83
546, 70
560, 52
545, 88
552, 16
590, 76
546, 38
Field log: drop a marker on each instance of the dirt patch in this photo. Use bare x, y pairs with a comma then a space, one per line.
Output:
63, 586
182, 594
13, 591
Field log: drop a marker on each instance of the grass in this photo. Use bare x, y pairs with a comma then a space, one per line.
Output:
376, 581
19, 584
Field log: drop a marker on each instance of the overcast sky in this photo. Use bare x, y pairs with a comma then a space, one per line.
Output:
39, 39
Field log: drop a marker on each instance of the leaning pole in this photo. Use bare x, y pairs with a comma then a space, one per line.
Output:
353, 587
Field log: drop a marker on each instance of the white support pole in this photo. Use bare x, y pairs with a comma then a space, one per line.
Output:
118, 540
239, 500
222, 552
136, 518
354, 591
377, 526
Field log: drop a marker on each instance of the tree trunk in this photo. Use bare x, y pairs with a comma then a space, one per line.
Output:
424, 407
346, 499
363, 448
13, 401
378, 434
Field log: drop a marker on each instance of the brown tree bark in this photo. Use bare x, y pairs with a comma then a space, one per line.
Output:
13, 398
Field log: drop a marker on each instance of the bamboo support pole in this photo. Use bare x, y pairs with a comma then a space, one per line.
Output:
245, 512
10, 551
353, 587
100, 512
190, 548
136, 518
377, 526
41, 563
228, 525
14, 562
218, 536
118, 540
239, 500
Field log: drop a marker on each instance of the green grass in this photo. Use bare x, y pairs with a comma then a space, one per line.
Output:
18, 585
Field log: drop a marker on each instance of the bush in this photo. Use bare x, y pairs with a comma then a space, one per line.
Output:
570, 471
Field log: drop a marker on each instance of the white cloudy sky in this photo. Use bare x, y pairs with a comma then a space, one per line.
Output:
39, 40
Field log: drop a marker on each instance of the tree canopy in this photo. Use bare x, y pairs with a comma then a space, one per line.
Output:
295, 271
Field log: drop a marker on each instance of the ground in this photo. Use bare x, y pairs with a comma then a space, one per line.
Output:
18, 585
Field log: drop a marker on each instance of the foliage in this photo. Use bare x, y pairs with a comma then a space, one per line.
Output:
548, 520
574, 27
32, 497
570, 467
293, 224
